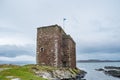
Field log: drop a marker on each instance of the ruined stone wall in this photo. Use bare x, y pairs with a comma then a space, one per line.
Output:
72, 50
65, 56
49, 46
54, 47
69, 51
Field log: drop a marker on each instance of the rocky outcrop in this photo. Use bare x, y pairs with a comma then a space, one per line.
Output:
111, 70
60, 73
100, 69
37, 72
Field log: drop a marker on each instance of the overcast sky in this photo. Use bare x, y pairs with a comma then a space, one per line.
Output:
93, 24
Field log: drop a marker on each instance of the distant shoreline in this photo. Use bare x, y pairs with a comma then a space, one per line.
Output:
94, 61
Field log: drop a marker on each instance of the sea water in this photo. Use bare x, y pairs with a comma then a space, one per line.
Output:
92, 74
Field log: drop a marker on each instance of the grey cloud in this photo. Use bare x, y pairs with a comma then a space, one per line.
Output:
108, 49
102, 56
17, 62
13, 50
102, 48
22, 17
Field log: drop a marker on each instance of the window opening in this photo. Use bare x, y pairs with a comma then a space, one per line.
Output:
41, 49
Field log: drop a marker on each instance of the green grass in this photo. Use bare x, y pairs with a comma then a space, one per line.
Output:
24, 72
27, 72
42, 68
8, 66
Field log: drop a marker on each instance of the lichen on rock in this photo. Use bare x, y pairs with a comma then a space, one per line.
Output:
58, 73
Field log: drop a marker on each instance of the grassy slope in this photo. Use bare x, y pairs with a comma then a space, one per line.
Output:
26, 72
23, 72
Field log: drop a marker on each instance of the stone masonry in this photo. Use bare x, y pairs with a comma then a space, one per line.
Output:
55, 47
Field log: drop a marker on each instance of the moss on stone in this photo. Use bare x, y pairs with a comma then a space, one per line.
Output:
37, 72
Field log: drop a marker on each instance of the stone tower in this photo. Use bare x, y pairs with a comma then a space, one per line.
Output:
55, 47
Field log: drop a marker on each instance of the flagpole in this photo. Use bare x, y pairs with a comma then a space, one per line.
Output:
64, 23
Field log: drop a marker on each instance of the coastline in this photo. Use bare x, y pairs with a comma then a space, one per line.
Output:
110, 70
43, 72
96, 61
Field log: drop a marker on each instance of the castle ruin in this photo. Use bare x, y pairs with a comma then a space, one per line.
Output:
55, 47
